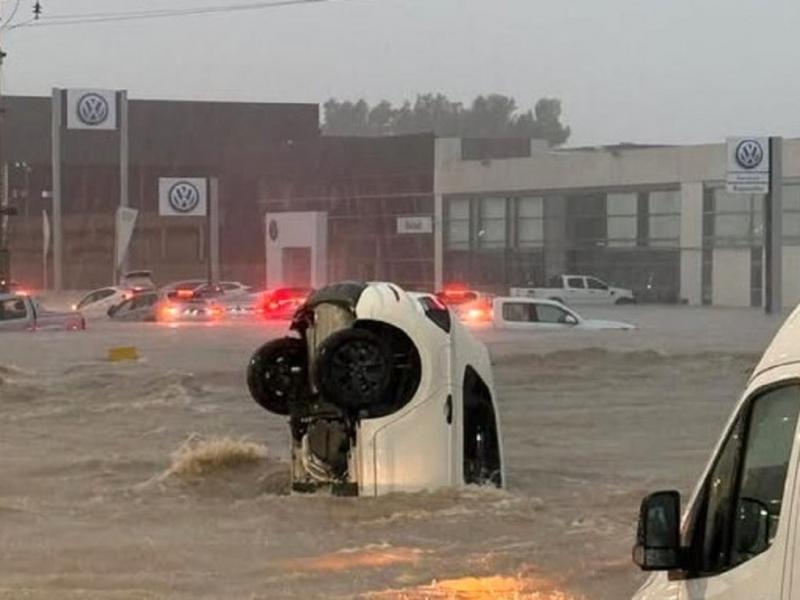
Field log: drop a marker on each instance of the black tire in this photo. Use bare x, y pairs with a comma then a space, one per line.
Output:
622, 301
278, 374
353, 369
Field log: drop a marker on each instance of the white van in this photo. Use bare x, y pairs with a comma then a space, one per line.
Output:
740, 535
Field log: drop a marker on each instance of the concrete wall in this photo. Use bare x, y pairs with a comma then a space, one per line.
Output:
731, 277
692, 243
296, 230
791, 276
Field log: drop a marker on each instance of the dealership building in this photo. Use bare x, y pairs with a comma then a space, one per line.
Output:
300, 208
656, 219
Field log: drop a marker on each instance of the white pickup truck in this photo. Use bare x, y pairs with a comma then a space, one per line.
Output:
577, 289
22, 313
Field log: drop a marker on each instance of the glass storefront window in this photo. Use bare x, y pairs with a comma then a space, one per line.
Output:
664, 225
458, 224
530, 222
738, 219
492, 229
622, 219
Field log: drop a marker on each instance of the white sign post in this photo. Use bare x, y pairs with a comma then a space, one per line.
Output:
182, 196
748, 165
126, 223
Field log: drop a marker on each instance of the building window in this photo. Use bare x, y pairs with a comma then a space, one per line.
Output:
622, 219
458, 224
738, 219
492, 228
530, 222
791, 214
664, 223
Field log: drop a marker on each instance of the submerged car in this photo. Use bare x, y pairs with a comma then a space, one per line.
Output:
282, 303
141, 307
541, 314
469, 305
98, 302
385, 392
19, 312
188, 310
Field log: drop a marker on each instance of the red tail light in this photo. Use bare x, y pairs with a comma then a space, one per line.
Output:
184, 293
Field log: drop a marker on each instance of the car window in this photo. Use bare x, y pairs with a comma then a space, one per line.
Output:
143, 301
13, 309
575, 282
750, 471
229, 286
547, 313
517, 312
595, 284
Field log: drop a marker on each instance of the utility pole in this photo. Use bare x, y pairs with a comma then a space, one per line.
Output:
5, 210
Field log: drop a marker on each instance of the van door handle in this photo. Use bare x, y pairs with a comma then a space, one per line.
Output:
448, 410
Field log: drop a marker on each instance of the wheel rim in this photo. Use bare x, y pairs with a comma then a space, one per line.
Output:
279, 376
358, 368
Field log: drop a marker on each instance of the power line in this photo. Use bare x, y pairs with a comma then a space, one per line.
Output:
108, 17
11, 16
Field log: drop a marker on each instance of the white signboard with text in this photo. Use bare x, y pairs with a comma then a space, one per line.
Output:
414, 224
748, 163
182, 196
92, 109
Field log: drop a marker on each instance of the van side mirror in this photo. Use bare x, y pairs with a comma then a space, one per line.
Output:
752, 527
658, 537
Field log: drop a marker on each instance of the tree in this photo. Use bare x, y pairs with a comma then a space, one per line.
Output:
494, 115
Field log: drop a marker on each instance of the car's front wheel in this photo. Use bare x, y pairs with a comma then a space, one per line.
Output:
353, 368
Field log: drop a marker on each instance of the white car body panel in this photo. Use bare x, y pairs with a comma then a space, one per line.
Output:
575, 322
775, 573
99, 308
395, 452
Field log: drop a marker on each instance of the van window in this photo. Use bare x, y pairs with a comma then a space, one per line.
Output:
750, 471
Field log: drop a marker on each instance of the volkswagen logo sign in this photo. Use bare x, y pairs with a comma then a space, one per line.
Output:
183, 197
749, 154
92, 109
273, 230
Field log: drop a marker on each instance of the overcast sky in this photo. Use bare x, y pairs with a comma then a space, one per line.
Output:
626, 70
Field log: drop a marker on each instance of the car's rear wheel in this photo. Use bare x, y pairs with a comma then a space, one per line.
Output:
625, 301
278, 374
354, 368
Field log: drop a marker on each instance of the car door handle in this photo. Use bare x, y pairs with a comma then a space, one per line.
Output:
448, 410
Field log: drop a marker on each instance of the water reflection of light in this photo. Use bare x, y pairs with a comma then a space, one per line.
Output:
363, 558
495, 587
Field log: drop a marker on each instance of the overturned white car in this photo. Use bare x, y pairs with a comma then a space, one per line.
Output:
385, 392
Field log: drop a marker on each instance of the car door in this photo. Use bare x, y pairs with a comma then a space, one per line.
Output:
598, 291
736, 534
575, 290
551, 316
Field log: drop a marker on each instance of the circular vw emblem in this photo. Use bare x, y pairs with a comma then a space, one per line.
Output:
183, 197
273, 230
92, 109
749, 154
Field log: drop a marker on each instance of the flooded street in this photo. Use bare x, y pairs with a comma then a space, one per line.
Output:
92, 504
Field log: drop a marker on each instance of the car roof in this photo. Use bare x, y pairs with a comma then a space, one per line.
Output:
785, 346
531, 300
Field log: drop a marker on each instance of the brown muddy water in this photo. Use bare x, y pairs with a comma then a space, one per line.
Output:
162, 479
